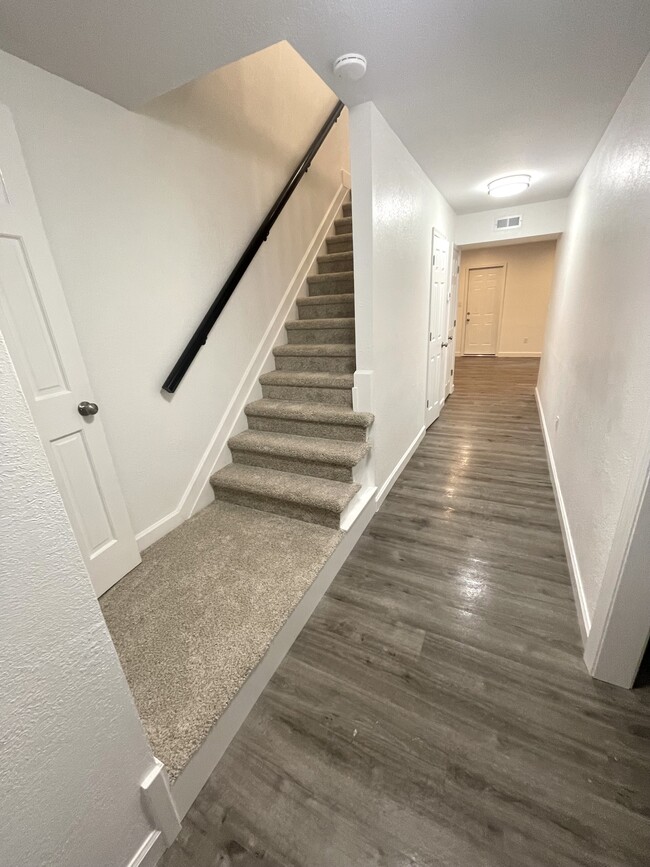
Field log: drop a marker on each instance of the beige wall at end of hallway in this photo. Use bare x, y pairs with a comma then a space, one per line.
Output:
528, 284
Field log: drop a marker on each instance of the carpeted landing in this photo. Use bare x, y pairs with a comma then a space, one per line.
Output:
196, 616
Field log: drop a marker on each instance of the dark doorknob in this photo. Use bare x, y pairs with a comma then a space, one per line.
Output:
87, 408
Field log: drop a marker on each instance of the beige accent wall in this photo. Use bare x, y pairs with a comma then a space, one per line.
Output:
529, 270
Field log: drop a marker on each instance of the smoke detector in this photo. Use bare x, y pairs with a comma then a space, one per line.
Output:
350, 67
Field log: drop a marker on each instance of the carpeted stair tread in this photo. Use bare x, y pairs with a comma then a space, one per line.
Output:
333, 277
343, 226
347, 209
305, 491
316, 349
311, 324
321, 413
326, 300
308, 379
335, 257
338, 452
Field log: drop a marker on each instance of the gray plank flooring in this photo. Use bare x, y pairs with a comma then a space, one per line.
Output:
436, 710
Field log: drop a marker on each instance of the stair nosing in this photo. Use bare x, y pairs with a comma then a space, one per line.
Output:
332, 277
315, 300
342, 322
328, 257
319, 413
233, 478
308, 379
242, 442
316, 350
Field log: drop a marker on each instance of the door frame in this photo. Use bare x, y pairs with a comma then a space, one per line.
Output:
427, 409
619, 631
465, 293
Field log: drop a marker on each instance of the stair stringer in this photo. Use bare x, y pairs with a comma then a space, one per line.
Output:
198, 492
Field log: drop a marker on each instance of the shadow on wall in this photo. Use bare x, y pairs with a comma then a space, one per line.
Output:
229, 107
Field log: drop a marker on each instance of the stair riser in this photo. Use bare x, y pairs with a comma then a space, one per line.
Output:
320, 335
334, 287
293, 465
339, 245
326, 311
302, 394
279, 507
316, 364
347, 209
307, 428
344, 226
333, 266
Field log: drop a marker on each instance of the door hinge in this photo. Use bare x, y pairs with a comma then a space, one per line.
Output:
430, 336
433, 260
428, 404
452, 371
454, 323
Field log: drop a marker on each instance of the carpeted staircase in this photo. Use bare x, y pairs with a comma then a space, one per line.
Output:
304, 439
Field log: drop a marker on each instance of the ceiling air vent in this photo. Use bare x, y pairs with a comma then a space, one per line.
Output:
508, 222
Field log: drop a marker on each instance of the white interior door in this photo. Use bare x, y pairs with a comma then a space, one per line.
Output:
439, 301
451, 320
484, 291
38, 330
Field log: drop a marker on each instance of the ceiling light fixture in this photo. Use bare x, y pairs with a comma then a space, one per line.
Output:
511, 185
351, 67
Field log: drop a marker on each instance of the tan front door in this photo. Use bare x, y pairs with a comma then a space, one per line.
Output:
484, 293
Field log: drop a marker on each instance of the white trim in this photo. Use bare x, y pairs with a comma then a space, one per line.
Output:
519, 354
582, 609
159, 804
620, 629
200, 766
362, 391
150, 852
356, 507
198, 492
406, 457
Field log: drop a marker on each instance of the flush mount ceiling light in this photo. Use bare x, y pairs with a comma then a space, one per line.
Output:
511, 185
350, 67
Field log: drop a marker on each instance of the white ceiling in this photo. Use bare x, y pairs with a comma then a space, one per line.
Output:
474, 88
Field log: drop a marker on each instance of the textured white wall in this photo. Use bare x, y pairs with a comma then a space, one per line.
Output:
72, 750
595, 372
397, 207
146, 214
538, 220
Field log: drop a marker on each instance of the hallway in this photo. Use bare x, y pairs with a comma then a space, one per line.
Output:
436, 710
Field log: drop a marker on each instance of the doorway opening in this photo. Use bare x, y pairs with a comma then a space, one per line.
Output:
503, 298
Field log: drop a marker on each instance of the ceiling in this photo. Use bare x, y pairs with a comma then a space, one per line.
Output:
474, 88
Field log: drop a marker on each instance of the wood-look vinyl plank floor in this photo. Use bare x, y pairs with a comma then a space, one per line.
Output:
436, 710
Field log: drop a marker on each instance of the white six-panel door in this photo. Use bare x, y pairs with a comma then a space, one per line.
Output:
484, 292
438, 318
38, 330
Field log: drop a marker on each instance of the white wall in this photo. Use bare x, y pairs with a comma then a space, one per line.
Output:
396, 207
72, 750
146, 214
539, 220
595, 373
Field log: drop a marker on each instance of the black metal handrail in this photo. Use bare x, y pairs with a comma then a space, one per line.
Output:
201, 334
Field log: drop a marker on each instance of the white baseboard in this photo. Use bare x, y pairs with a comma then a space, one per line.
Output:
198, 492
150, 852
406, 457
200, 766
519, 354
584, 618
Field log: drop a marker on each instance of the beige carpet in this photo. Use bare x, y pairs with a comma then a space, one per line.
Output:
196, 616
